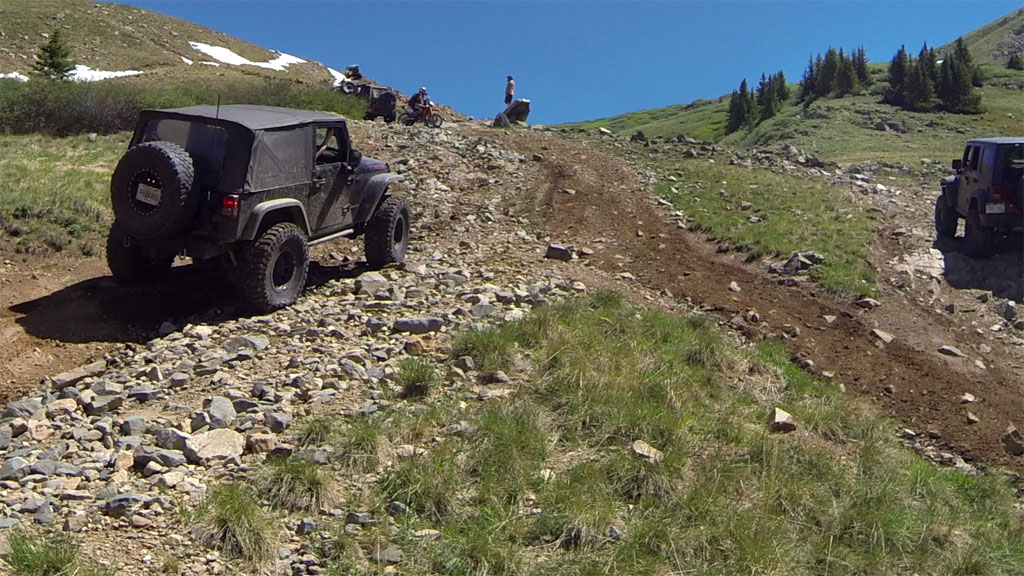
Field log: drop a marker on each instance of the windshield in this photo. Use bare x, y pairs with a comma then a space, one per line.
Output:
206, 144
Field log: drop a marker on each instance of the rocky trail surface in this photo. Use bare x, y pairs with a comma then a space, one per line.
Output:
503, 222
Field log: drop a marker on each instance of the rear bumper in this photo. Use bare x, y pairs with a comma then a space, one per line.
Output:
1004, 221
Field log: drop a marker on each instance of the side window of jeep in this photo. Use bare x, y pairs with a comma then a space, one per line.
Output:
972, 165
325, 146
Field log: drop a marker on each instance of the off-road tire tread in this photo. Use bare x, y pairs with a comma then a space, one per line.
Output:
977, 237
380, 250
183, 169
257, 263
129, 266
946, 219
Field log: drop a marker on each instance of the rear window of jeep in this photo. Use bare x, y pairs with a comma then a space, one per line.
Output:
206, 144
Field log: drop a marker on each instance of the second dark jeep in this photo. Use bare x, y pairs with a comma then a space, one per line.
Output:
380, 101
252, 187
987, 191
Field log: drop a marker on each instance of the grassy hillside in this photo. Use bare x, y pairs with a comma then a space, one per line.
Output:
119, 37
993, 43
848, 129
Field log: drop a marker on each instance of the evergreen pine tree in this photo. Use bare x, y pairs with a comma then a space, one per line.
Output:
919, 92
846, 77
957, 92
781, 88
807, 82
739, 104
898, 70
928, 60
860, 66
768, 97
53, 60
963, 55
752, 110
1016, 62
826, 81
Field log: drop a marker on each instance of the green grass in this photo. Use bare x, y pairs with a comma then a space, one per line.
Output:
544, 482
230, 519
796, 213
317, 430
38, 555
298, 484
55, 192
416, 376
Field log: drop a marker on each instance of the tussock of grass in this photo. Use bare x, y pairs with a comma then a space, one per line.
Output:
363, 445
49, 556
231, 519
417, 377
297, 484
546, 482
317, 431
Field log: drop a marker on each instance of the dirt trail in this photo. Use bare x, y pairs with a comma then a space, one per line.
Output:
613, 214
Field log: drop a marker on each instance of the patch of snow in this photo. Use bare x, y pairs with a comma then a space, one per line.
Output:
15, 76
228, 57
186, 60
338, 77
83, 73
210, 63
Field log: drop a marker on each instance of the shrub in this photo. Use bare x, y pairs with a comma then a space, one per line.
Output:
316, 431
48, 556
416, 376
297, 484
231, 519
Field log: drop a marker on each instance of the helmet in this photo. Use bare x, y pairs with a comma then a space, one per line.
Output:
509, 77
423, 89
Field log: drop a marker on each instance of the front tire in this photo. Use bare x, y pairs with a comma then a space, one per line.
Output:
387, 233
946, 219
274, 267
977, 237
129, 263
434, 121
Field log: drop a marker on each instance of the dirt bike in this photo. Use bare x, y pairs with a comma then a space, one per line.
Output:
428, 113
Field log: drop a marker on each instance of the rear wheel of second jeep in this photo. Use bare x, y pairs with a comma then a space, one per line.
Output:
273, 270
977, 237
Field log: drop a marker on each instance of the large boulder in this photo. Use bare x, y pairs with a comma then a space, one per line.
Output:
517, 111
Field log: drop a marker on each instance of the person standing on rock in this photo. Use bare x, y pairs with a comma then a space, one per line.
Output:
510, 90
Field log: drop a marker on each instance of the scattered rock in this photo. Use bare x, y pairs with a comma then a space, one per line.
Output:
643, 450
418, 325
951, 351
1013, 442
781, 421
559, 252
214, 445
883, 336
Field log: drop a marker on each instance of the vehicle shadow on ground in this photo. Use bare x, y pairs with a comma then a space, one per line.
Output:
1002, 274
98, 310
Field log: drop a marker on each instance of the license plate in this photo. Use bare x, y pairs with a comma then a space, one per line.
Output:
995, 208
148, 194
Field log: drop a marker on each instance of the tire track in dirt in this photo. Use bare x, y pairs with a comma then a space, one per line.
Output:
921, 391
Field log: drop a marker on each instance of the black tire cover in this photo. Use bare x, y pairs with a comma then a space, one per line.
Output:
151, 190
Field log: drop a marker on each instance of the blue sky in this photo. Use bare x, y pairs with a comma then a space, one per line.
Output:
581, 60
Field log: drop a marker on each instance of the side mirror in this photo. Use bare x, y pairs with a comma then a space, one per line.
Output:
958, 164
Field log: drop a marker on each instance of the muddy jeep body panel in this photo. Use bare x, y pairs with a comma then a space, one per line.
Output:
262, 159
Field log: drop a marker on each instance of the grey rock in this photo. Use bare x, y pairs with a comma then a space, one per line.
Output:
481, 310
780, 421
103, 405
397, 509
248, 341
559, 252
23, 408
243, 405
278, 421
146, 393
144, 455
391, 555
306, 526
72, 377
883, 336
1013, 442
122, 505
134, 426
220, 444
465, 363
951, 351
5, 437
645, 451
868, 303
220, 410
14, 469
107, 388
44, 515
179, 380
199, 421
418, 325
360, 518
171, 439
371, 283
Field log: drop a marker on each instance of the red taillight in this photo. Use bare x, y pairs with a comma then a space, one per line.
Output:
229, 205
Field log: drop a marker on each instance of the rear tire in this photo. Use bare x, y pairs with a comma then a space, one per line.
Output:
946, 219
130, 265
977, 237
387, 233
273, 271
406, 119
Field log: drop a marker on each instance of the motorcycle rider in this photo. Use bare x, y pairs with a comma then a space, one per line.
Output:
418, 101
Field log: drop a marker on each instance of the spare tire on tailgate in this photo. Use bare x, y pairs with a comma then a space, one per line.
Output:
151, 190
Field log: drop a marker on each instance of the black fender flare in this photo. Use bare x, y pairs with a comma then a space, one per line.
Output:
373, 195
296, 214
950, 184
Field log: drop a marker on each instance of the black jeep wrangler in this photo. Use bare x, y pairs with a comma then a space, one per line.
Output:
252, 187
380, 101
987, 191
